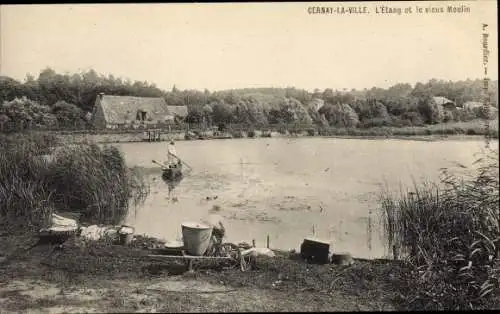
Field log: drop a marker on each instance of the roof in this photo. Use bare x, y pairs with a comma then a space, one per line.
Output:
180, 111
120, 109
442, 100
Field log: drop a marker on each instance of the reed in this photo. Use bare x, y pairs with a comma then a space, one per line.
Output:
86, 178
449, 232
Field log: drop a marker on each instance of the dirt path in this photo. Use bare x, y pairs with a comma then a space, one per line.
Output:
114, 278
171, 294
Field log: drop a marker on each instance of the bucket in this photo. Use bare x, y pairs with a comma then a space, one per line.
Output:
126, 235
196, 237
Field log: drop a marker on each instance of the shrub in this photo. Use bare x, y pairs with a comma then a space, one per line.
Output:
22, 113
266, 134
237, 134
398, 122
340, 115
493, 133
431, 111
471, 131
450, 235
251, 133
282, 130
414, 117
339, 131
374, 122
85, 178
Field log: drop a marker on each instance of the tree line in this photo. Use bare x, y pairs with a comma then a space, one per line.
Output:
58, 100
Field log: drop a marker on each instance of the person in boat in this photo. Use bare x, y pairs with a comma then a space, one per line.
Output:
172, 159
215, 220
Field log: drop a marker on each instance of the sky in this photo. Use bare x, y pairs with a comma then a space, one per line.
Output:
221, 46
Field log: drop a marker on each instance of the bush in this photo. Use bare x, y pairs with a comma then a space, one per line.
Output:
493, 133
251, 133
450, 235
374, 122
311, 132
398, 122
266, 134
282, 130
237, 134
471, 131
414, 117
85, 178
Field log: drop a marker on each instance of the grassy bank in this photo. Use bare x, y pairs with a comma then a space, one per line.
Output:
41, 176
455, 128
449, 235
452, 129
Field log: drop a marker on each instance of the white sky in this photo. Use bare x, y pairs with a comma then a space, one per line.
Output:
220, 46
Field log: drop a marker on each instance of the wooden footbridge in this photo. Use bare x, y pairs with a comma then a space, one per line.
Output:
153, 135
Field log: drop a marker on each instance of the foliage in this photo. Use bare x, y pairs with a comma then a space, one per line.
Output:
68, 114
71, 98
432, 112
450, 234
21, 113
83, 178
340, 115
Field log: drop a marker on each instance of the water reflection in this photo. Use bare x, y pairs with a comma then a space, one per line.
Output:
263, 191
172, 184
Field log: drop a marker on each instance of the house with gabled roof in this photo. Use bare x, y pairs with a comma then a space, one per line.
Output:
112, 111
444, 102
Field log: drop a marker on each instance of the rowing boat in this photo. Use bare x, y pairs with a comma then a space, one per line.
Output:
172, 172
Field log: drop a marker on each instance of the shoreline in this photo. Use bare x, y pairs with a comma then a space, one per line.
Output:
137, 138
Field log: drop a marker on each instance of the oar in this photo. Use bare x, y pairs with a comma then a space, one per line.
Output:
159, 164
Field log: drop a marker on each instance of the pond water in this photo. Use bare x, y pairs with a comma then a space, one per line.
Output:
289, 188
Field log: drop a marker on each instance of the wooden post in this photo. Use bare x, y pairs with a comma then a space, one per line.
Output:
267, 241
253, 242
369, 230
394, 252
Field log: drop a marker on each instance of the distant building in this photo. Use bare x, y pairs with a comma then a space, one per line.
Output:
112, 112
470, 105
444, 102
480, 109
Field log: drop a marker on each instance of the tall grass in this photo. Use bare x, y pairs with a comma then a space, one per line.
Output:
449, 233
94, 181
83, 178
